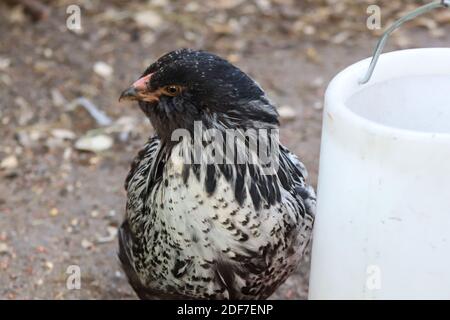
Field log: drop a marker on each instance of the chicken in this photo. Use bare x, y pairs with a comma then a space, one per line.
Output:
207, 216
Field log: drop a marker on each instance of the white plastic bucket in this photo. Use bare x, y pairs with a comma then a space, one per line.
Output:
382, 229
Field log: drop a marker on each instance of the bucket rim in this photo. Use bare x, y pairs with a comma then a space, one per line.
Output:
346, 83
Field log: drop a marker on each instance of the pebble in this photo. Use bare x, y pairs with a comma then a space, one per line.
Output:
49, 265
57, 98
341, 37
48, 53
86, 244
317, 82
9, 163
4, 248
103, 69
54, 212
94, 213
4, 63
287, 113
63, 134
95, 143
312, 55
112, 233
149, 19
318, 105
41, 249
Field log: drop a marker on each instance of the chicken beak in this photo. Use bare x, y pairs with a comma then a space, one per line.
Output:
130, 94
138, 90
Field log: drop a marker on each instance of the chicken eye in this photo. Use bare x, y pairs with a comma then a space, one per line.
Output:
172, 90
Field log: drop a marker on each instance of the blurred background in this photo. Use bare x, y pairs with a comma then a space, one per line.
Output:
66, 144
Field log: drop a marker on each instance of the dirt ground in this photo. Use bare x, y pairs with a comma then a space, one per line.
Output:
61, 206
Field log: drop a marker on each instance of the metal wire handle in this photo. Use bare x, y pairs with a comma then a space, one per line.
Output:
380, 45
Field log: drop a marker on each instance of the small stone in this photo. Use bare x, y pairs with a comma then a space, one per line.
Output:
41, 66
149, 19
4, 63
6, 79
103, 69
341, 37
287, 113
94, 213
192, 7
9, 163
159, 3
49, 265
94, 160
17, 15
112, 233
66, 156
228, 4
312, 55
233, 58
96, 143
318, 105
41, 249
54, 212
48, 53
442, 17
57, 98
317, 82
401, 40
148, 38
4, 248
437, 33
86, 244
63, 134
309, 30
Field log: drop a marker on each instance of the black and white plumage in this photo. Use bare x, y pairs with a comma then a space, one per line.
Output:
209, 230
